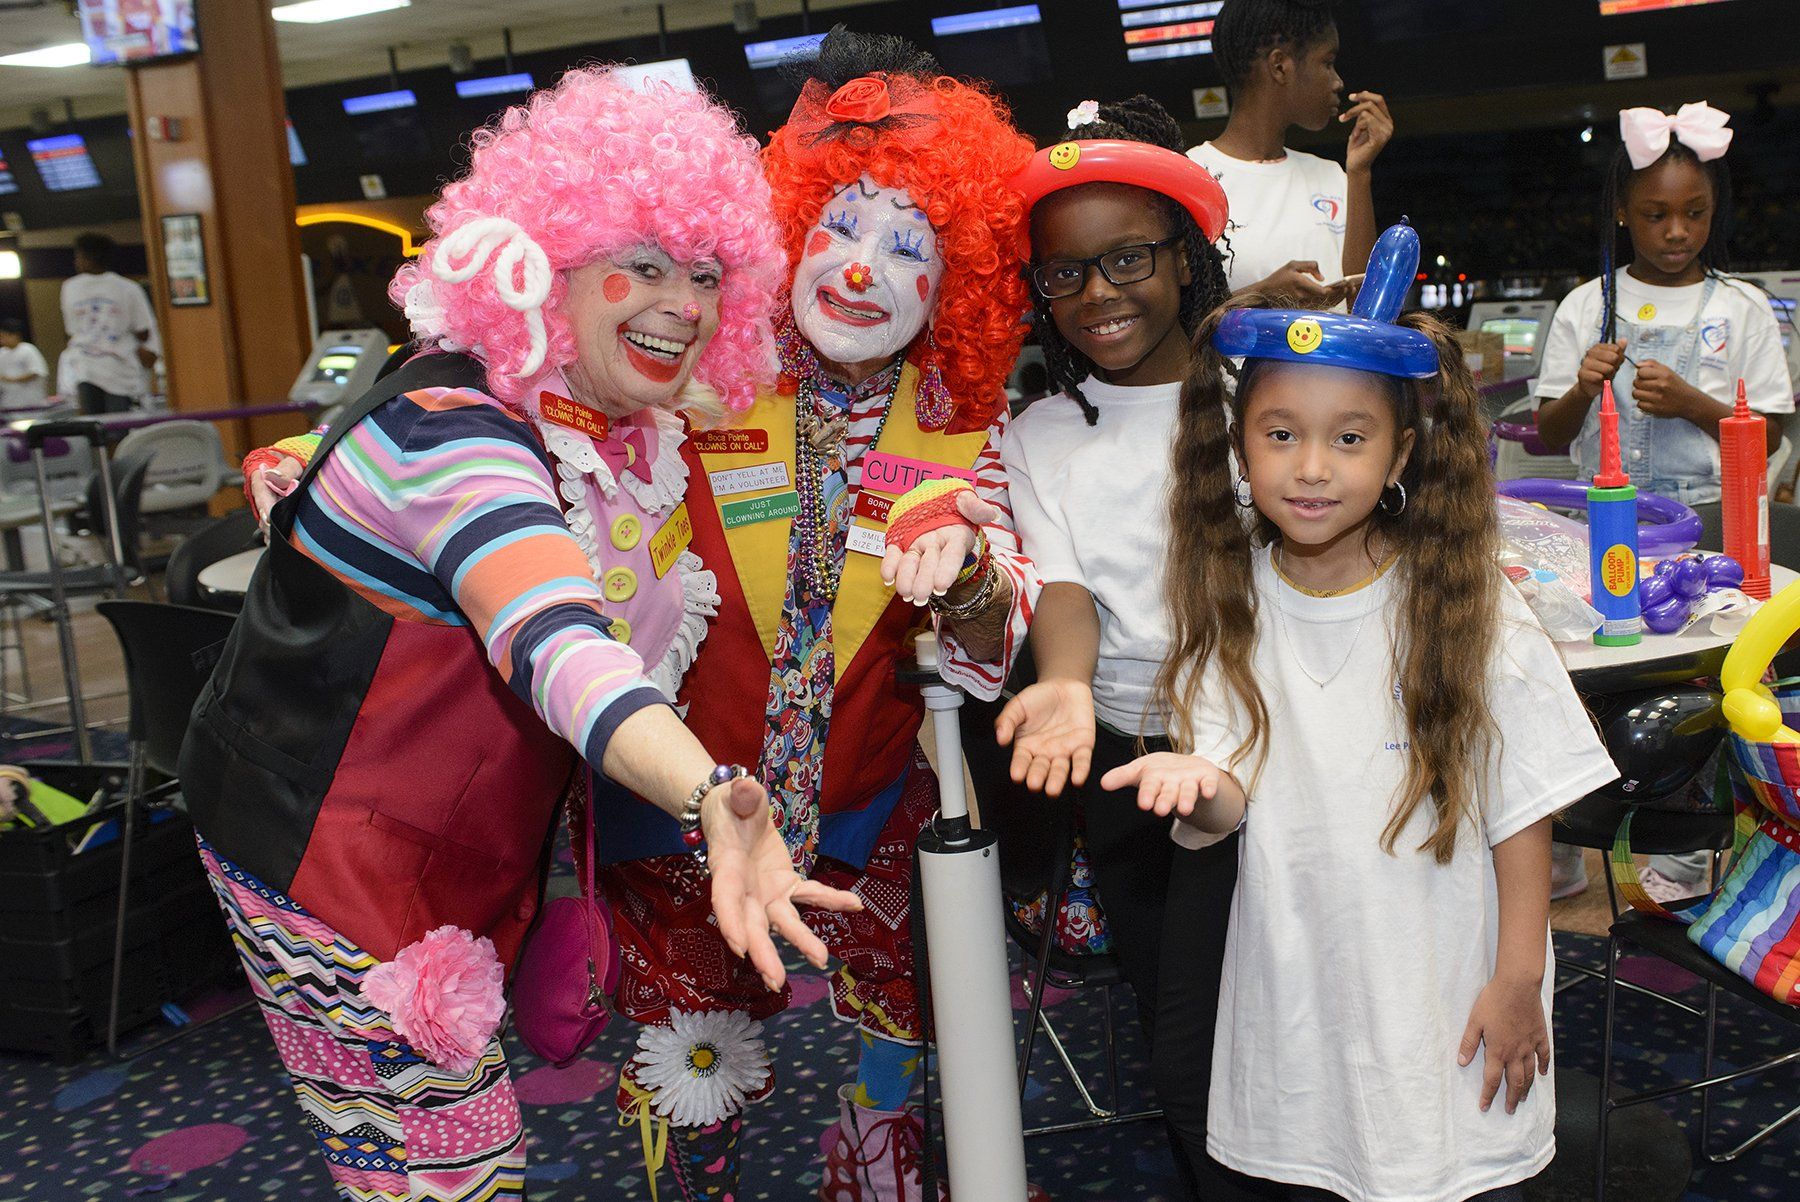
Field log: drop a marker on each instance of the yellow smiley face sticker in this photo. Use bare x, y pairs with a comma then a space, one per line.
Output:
1304, 336
1647, 312
1064, 155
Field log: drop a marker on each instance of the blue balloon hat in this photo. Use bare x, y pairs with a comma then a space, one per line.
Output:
1365, 339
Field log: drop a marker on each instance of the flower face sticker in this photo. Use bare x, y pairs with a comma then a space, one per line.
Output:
1064, 155
1304, 336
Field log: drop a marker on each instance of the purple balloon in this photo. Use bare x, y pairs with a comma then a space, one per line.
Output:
1667, 617
1689, 579
1722, 571
1665, 568
1655, 589
1668, 526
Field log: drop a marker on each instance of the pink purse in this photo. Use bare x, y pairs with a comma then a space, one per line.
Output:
570, 962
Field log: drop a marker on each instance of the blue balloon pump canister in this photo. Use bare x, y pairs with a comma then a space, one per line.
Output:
1612, 538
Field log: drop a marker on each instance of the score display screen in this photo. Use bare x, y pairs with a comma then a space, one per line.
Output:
1618, 8
1156, 30
63, 163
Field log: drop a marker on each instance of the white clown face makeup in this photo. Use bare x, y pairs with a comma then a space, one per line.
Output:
868, 280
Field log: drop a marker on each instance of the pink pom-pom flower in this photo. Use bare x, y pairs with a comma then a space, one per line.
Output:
444, 994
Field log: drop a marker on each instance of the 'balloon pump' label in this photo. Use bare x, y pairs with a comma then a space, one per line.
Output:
1618, 570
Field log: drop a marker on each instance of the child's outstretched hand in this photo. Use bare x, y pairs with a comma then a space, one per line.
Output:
1170, 783
1050, 727
1509, 1019
1600, 364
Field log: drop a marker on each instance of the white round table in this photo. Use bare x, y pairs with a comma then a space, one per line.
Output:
1658, 658
231, 575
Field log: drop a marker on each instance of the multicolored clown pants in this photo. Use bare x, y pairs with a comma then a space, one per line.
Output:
391, 1125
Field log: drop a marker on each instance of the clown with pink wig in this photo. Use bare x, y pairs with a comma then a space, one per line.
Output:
482, 576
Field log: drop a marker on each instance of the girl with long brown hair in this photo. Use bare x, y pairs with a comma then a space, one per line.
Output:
1352, 683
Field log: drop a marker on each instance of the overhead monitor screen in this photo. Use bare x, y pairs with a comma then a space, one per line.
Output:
63, 163
765, 59
296, 152
135, 31
7, 182
1155, 30
1617, 8
1005, 45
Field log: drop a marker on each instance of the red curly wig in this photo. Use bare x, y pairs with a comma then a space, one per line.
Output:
956, 166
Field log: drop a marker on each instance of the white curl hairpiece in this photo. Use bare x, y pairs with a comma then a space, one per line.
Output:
474, 243
1085, 113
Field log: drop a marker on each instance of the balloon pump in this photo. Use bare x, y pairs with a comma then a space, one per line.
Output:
1744, 482
969, 979
1612, 538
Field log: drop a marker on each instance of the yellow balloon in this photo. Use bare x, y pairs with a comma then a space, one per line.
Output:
1749, 706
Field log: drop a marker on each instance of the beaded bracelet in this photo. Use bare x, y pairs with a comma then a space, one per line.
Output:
984, 593
689, 819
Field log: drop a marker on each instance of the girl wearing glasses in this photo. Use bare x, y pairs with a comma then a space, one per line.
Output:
1123, 268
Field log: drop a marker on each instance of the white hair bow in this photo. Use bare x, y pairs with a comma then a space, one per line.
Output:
476, 242
1699, 127
1085, 113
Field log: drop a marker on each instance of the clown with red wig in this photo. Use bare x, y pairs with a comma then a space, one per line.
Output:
485, 573
859, 501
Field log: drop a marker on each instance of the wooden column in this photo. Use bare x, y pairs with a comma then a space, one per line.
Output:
209, 137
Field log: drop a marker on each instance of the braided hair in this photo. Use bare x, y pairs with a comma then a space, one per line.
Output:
1139, 119
1248, 29
1615, 239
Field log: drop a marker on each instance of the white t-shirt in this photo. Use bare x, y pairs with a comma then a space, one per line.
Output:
1280, 212
104, 314
1350, 973
1092, 509
1738, 338
23, 360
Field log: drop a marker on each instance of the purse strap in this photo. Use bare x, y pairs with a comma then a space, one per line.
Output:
581, 837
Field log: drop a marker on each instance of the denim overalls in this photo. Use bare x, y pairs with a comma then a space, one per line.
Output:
1665, 455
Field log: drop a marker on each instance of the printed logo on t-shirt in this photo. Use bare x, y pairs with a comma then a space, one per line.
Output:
1715, 334
1331, 208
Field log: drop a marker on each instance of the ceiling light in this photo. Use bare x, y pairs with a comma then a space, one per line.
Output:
317, 12
69, 54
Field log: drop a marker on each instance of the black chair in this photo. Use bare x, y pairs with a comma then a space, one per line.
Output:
220, 539
1668, 941
170, 651
1037, 835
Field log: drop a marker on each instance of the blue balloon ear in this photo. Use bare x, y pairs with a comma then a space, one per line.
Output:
1392, 265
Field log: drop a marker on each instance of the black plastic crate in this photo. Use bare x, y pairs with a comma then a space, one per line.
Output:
58, 911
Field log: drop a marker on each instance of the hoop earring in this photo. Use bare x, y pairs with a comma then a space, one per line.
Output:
1397, 510
1241, 493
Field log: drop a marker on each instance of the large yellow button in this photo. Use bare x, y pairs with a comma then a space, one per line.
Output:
621, 584
626, 531
621, 630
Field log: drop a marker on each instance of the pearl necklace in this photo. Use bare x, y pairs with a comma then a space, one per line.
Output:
1281, 621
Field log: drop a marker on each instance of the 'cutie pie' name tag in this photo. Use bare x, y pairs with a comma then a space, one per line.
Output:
754, 478
730, 442
899, 475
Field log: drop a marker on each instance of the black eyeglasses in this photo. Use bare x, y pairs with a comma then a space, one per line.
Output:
1124, 265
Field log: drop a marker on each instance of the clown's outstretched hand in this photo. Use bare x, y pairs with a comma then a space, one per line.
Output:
934, 539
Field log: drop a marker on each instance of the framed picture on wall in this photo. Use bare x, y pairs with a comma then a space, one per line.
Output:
184, 260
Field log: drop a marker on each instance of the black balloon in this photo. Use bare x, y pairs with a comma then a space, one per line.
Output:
1658, 738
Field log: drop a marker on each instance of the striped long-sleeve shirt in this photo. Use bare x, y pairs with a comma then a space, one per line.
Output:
441, 507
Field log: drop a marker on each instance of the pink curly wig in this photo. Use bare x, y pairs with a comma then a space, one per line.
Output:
591, 167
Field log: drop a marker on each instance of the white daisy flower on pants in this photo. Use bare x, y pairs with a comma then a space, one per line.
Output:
701, 1067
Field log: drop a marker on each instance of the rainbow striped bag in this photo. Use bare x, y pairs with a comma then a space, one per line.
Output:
1751, 923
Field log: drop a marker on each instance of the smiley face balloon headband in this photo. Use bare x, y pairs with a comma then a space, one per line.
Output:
1111, 161
1365, 339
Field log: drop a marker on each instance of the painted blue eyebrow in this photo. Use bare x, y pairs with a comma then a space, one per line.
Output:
841, 217
911, 242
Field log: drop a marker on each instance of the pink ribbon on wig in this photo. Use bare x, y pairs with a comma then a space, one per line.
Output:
1700, 127
620, 460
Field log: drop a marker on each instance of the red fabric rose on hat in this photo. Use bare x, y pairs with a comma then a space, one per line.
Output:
863, 100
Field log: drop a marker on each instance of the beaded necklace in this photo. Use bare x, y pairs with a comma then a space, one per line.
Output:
818, 561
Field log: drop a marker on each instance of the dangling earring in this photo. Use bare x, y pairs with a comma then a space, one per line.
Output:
1397, 510
1242, 493
933, 404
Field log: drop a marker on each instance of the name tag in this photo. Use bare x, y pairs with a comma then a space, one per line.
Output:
873, 507
898, 474
565, 412
866, 540
731, 442
754, 478
667, 544
759, 509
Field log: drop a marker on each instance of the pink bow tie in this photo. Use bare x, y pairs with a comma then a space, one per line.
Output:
625, 452
1699, 127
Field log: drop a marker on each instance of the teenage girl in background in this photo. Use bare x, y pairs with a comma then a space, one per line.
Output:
1674, 334
1300, 223
1352, 682
1121, 276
